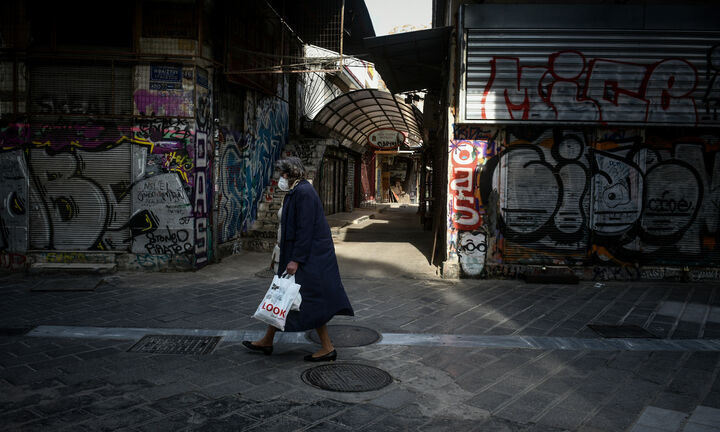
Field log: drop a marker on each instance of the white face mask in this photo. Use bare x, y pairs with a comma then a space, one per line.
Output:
283, 184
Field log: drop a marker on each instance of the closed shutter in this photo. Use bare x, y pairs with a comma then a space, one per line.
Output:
619, 65
80, 161
544, 199
333, 181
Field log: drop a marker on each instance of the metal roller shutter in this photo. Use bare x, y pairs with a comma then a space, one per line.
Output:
80, 157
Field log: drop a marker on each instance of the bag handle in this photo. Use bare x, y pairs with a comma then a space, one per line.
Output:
285, 275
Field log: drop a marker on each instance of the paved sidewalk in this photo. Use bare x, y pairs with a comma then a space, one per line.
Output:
470, 355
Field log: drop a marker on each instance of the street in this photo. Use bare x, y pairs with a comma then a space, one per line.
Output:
467, 355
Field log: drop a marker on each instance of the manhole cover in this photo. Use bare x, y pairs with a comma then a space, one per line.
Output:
347, 336
621, 331
346, 377
172, 344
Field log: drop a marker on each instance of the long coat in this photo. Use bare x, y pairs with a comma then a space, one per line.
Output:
306, 239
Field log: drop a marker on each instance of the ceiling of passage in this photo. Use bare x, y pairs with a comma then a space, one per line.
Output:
353, 116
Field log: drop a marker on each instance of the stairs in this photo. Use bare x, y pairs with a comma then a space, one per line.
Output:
263, 234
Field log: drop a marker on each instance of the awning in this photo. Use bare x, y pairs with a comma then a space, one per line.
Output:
410, 61
355, 115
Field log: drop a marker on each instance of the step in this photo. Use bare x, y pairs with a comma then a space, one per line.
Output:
81, 267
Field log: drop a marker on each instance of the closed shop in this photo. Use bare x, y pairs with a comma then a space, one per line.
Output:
587, 134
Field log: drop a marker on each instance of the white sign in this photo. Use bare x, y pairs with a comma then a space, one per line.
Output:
386, 138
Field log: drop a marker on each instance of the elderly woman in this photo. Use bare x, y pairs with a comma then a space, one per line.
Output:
308, 252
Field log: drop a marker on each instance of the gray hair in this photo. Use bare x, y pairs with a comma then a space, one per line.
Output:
292, 166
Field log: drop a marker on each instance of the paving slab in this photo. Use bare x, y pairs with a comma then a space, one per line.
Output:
464, 355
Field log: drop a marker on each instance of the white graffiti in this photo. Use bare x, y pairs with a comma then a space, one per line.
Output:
472, 248
13, 202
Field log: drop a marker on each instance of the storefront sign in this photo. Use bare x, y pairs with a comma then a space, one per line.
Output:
386, 138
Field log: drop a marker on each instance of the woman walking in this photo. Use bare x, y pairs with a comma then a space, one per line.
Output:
308, 252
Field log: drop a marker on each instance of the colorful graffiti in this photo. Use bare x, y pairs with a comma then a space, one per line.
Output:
98, 185
247, 163
570, 196
572, 87
466, 210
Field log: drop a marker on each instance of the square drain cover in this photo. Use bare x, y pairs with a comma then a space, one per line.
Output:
173, 344
621, 331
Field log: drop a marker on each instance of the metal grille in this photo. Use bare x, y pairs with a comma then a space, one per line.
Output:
81, 90
588, 76
322, 27
543, 209
333, 180
170, 344
346, 377
317, 92
77, 131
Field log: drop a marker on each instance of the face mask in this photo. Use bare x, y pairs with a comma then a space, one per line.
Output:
283, 184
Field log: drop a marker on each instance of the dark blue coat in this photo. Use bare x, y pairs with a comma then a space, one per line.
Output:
305, 238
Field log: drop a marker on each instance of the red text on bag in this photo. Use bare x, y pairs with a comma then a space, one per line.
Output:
274, 309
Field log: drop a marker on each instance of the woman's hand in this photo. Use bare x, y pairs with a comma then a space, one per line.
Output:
291, 267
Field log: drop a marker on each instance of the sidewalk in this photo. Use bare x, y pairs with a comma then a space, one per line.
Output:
469, 355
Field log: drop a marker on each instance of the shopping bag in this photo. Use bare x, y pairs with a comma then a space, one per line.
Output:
298, 298
278, 300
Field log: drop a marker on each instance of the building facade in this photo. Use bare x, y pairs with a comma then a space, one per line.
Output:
143, 135
582, 138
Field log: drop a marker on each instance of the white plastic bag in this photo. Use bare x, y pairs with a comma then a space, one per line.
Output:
278, 301
298, 298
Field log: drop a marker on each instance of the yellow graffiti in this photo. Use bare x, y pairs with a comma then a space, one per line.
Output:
605, 255
18, 205
149, 223
135, 140
182, 173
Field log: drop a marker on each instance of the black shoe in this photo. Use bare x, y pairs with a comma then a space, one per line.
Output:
331, 356
267, 350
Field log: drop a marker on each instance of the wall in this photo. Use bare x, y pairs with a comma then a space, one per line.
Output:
86, 183
587, 139
574, 63
247, 161
584, 196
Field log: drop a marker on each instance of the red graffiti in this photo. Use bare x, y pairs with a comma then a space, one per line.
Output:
12, 261
464, 158
570, 88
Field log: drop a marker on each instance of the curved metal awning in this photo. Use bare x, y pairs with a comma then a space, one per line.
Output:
353, 116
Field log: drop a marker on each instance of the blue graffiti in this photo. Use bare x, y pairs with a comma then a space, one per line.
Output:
248, 163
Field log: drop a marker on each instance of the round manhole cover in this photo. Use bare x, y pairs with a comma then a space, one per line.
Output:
347, 336
346, 377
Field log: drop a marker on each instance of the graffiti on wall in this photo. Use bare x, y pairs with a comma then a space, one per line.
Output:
162, 220
466, 211
472, 247
247, 163
203, 179
567, 195
77, 201
13, 201
572, 87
